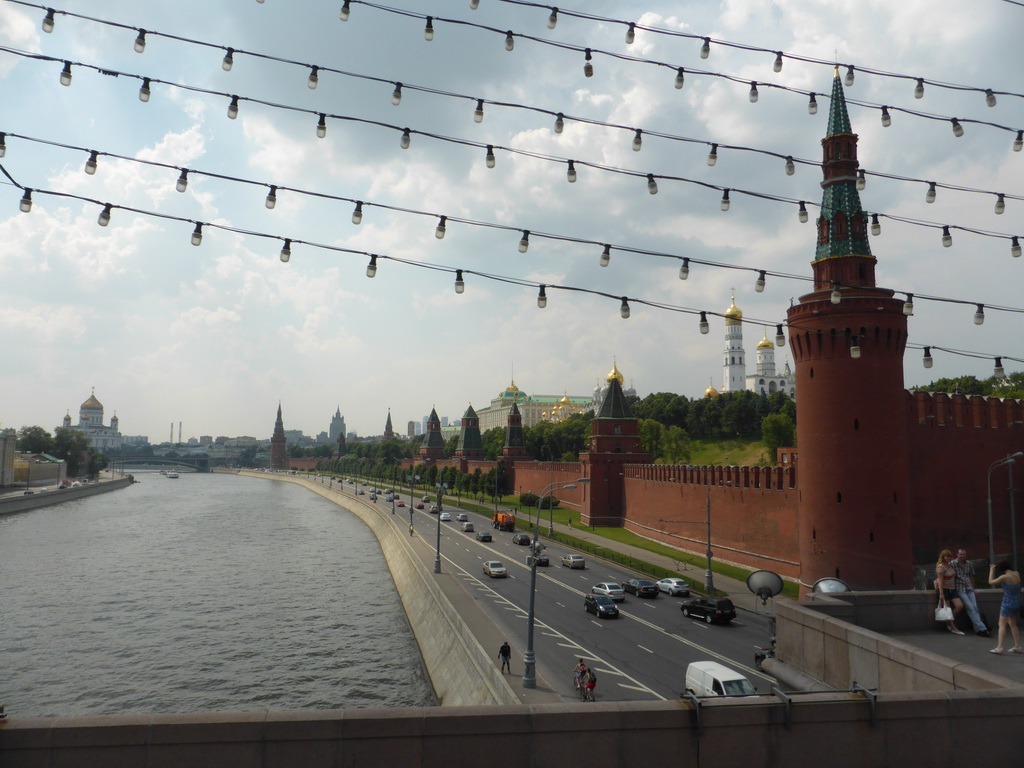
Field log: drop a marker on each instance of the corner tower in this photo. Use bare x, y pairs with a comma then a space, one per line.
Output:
433, 444
847, 338
277, 442
470, 444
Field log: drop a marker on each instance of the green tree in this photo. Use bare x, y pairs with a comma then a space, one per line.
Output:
494, 442
963, 385
650, 437
675, 445
777, 431
296, 452
73, 447
34, 440
450, 446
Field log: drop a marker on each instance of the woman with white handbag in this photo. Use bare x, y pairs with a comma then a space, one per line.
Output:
945, 583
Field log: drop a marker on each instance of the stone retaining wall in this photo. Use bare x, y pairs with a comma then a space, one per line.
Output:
12, 504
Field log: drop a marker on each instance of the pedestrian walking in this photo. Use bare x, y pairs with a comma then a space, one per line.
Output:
1009, 580
505, 654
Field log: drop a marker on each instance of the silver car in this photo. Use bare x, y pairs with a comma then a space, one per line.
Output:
675, 587
611, 589
574, 561
495, 569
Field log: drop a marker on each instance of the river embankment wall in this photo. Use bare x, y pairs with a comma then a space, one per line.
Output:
22, 503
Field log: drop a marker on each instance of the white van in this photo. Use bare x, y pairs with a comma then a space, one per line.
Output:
709, 678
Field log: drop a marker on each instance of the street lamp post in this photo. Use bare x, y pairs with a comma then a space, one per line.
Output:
441, 488
1008, 461
709, 579
529, 660
412, 480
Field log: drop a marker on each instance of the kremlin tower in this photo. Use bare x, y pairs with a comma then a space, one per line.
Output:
847, 338
277, 442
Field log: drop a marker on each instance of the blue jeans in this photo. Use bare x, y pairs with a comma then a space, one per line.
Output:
971, 604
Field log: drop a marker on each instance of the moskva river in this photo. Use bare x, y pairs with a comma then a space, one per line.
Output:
199, 594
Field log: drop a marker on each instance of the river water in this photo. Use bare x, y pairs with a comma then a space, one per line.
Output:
205, 593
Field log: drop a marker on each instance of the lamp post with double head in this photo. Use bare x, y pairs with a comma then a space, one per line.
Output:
529, 659
441, 488
1008, 462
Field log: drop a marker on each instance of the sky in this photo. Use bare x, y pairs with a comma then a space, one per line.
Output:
215, 336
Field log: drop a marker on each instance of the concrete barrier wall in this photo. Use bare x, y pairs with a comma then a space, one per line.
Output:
461, 672
835, 729
49, 498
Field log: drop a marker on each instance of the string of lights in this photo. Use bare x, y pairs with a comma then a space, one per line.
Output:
633, 27
315, 71
107, 209
753, 94
572, 166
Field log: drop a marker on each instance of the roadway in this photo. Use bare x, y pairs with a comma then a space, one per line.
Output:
640, 656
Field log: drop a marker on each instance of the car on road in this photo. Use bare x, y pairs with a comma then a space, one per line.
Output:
400, 504
467, 527
484, 536
574, 561
446, 517
543, 559
675, 587
419, 505
601, 606
462, 517
360, 492
521, 538
609, 588
426, 498
495, 569
641, 587
433, 509
714, 610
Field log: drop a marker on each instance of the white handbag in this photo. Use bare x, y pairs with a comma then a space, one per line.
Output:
943, 612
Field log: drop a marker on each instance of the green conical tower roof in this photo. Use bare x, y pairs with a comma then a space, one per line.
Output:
614, 405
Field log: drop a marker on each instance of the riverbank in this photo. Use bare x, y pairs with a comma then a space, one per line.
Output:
20, 502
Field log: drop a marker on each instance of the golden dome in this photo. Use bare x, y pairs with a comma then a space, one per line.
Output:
92, 404
512, 387
710, 392
733, 315
765, 343
565, 400
614, 374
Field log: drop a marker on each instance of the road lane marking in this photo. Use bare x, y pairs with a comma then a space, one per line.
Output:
645, 649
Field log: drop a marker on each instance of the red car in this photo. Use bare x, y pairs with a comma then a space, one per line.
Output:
400, 504
419, 505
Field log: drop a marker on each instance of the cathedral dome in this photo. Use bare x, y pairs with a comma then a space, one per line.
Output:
614, 374
765, 343
710, 392
733, 315
92, 404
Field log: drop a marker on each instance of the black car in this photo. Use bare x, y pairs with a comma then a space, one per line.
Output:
484, 536
714, 610
542, 559
521, 538
641, 587
601, 606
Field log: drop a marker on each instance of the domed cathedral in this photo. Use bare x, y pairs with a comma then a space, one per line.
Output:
766, 380
90, 424
734, 362
847, 338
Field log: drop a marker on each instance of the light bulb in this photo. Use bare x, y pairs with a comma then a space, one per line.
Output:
1015, 247
428, 31
886, 119
271, 197
630, 33
802, 212
624, 308
542, 298
638, 140
724, 205
919, 89
998, 371
684, 269
990, 98
104, 218
474, 4
559, 123
927, 360
314, 78
442, 228
48, 21
406, 138
704, 327
812, 105
233, 108
460, 284
759, 283
229, 60
3, 144
861, 181
929, 196
345, 10
854, 348
705, 49
524, 242
652, 185
908, 305
90, 164
489, 157
777, 65
790, 166
197, 234
753, 93
26, 201
357, 212
140, 41
958, 130
553, 19
371, 268
182, 183
1018, 143
510, 42
979, 316
680, 78
588, 67
606, 255
780, 339
286, 251
849, 75
876, 227
836, 296
570, 174
144, 90
321, 126
65, 74
396, 95
1000, 204
713, 155
478, 113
